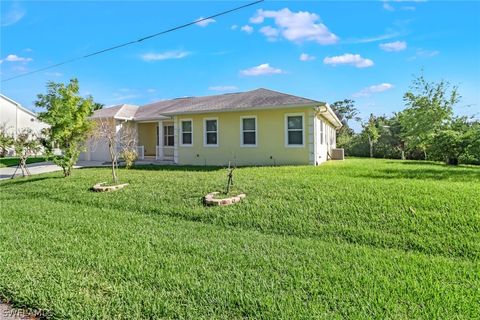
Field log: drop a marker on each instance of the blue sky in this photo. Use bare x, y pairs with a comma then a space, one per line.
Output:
366, 51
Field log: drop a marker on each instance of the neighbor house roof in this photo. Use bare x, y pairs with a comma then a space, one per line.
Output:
122, 111
30, 112
241, 101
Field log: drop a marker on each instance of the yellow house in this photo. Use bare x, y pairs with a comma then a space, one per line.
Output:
258, 127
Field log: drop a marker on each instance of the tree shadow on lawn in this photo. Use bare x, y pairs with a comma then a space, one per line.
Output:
153, 167
433, 163
23, 180
462, 174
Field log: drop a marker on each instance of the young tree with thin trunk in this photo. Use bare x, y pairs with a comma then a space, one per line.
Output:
26, 144
371, 132
121, 139
68, 114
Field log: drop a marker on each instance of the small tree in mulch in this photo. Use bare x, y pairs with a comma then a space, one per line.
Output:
26, 144
120, 139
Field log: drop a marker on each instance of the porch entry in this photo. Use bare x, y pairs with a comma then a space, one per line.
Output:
157, 139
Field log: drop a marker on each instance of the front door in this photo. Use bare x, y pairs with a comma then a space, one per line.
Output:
168, 141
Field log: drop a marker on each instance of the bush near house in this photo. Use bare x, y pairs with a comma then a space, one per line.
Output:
364, 238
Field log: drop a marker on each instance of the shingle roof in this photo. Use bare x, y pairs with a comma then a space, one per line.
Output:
255, 99
122, 111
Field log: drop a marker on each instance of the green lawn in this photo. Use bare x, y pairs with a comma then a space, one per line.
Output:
353, 239
13, 161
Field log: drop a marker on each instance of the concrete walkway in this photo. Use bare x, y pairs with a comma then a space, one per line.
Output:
44, 167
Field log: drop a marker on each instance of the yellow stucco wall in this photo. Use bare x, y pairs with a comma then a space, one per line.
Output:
147, 137
270, 147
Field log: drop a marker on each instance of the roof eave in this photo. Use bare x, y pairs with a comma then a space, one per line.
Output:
313, 104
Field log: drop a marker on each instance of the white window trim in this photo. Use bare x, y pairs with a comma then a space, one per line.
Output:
205, 133
302, 114
191, 132
241, 132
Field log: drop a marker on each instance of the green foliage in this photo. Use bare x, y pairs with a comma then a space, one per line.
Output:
130, 156
360, 238
6, 140
428, 107
426, 126
371, 132
345, 111
67, 114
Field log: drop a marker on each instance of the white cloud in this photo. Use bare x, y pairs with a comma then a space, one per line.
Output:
306, 57
164, 55
234, 27
12, 15
388, 6
297, 26
349, 59
427, 53
263, 69
204, 23
248, 29
373, 89
394, 46
151, 90
223, 88
422, 53
269, 32
15, 58
381, 37
54, 74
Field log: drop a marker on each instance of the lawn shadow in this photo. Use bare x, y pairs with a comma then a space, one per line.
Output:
22, 180
460, 174
154, 167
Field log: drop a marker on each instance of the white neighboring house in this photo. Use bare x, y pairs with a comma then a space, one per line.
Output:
15, 118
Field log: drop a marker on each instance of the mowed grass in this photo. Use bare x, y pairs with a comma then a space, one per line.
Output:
355, 239
13, 161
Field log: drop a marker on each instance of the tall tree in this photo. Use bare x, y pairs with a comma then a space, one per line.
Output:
67, 113
371, 132
345, 111
428, 107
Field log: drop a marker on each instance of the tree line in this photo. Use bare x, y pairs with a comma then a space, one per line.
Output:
426, 129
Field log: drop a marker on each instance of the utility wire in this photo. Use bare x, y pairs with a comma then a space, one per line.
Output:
133, 41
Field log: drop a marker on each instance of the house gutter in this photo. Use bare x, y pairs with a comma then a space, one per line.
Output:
327, 112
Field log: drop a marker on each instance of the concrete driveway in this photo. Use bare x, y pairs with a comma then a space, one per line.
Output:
44, 167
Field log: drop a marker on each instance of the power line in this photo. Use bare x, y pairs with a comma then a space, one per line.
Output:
133, 41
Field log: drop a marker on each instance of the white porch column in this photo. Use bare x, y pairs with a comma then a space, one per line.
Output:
176, 139
159, 151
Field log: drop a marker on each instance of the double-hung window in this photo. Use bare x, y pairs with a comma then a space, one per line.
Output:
294, 130
211, 132
168, 136
186, 135
248, 128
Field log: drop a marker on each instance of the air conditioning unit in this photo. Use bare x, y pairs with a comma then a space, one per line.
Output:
338, 154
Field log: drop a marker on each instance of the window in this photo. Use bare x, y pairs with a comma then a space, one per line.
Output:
294, 134
186, 135
248, 128
211, 132
168, 136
